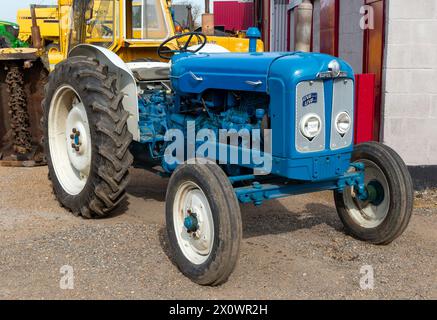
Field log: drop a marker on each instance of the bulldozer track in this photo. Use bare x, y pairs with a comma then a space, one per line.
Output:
20, 122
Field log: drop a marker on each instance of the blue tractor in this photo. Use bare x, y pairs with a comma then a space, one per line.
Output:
227, 128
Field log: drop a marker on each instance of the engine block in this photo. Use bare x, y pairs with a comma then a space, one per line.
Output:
159, 112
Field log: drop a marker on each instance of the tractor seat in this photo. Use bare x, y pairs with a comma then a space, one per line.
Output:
150, 70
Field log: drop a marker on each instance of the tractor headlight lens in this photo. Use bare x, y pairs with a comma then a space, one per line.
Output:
311, 125
343, 123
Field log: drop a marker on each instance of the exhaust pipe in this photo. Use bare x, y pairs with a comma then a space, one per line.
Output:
253, 34
35, 31
207, 21
304, 18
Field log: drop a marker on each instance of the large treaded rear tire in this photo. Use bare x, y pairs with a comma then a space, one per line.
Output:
110, 157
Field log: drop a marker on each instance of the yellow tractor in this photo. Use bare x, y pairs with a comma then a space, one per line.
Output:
133, 29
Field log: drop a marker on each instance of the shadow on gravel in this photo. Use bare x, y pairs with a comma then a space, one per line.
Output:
269, 219
147, 186
274, 218
163, 241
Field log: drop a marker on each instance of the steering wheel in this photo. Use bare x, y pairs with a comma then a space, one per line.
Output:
165, 53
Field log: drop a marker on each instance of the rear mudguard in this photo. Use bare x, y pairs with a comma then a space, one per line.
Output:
125, 80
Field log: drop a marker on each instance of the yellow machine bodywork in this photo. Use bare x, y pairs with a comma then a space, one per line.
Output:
47, 18
119, 26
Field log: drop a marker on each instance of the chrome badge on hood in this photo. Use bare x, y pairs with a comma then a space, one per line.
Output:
334, 71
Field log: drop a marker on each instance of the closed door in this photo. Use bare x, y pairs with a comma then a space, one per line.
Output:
373, 57
329, 22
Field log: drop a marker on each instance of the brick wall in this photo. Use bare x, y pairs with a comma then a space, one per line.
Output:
410, 80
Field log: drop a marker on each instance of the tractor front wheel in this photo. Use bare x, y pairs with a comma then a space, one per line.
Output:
385, 214
203, 223
86, 137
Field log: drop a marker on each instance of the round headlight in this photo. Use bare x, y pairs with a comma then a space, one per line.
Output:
343, 123
310, 125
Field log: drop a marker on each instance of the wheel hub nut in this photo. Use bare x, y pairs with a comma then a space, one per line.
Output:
191, 223
75, 139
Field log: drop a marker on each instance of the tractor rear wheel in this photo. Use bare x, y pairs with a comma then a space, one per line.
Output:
86, 137
203, 223
385, 215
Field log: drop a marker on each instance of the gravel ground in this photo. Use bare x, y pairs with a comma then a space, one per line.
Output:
294, 248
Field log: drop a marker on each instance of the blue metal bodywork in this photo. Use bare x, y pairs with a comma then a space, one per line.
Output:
224, 71
279, 74
273, 76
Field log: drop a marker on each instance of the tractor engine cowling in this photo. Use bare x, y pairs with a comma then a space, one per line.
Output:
306, 99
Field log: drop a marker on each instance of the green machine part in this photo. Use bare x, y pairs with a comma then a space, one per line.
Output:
9, 36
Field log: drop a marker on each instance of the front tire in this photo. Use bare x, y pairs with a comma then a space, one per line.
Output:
203, 223
86, 137
383, 219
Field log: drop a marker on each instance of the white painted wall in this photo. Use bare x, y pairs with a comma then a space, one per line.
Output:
410, 80
351, 36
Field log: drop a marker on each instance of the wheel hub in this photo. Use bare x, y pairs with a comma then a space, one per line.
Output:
194, 224
190, 222
75, 139
69, 139
77, 129
375, 192
370, 206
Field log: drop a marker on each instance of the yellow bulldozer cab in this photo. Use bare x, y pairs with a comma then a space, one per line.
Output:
133, 29
145, 22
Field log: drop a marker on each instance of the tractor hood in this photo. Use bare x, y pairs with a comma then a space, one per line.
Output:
195, 73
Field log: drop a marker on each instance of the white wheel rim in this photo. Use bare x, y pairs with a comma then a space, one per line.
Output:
365, 214
68, 118
196, 246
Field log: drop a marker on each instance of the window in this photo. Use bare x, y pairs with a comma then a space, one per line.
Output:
93, 22
136, 16
148, 20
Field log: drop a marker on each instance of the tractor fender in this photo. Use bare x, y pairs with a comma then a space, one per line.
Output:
125, 80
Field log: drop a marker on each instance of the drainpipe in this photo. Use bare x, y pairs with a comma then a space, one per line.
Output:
207, 21
35, 31
304, 22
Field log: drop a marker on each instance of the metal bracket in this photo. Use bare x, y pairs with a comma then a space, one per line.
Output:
257, 193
